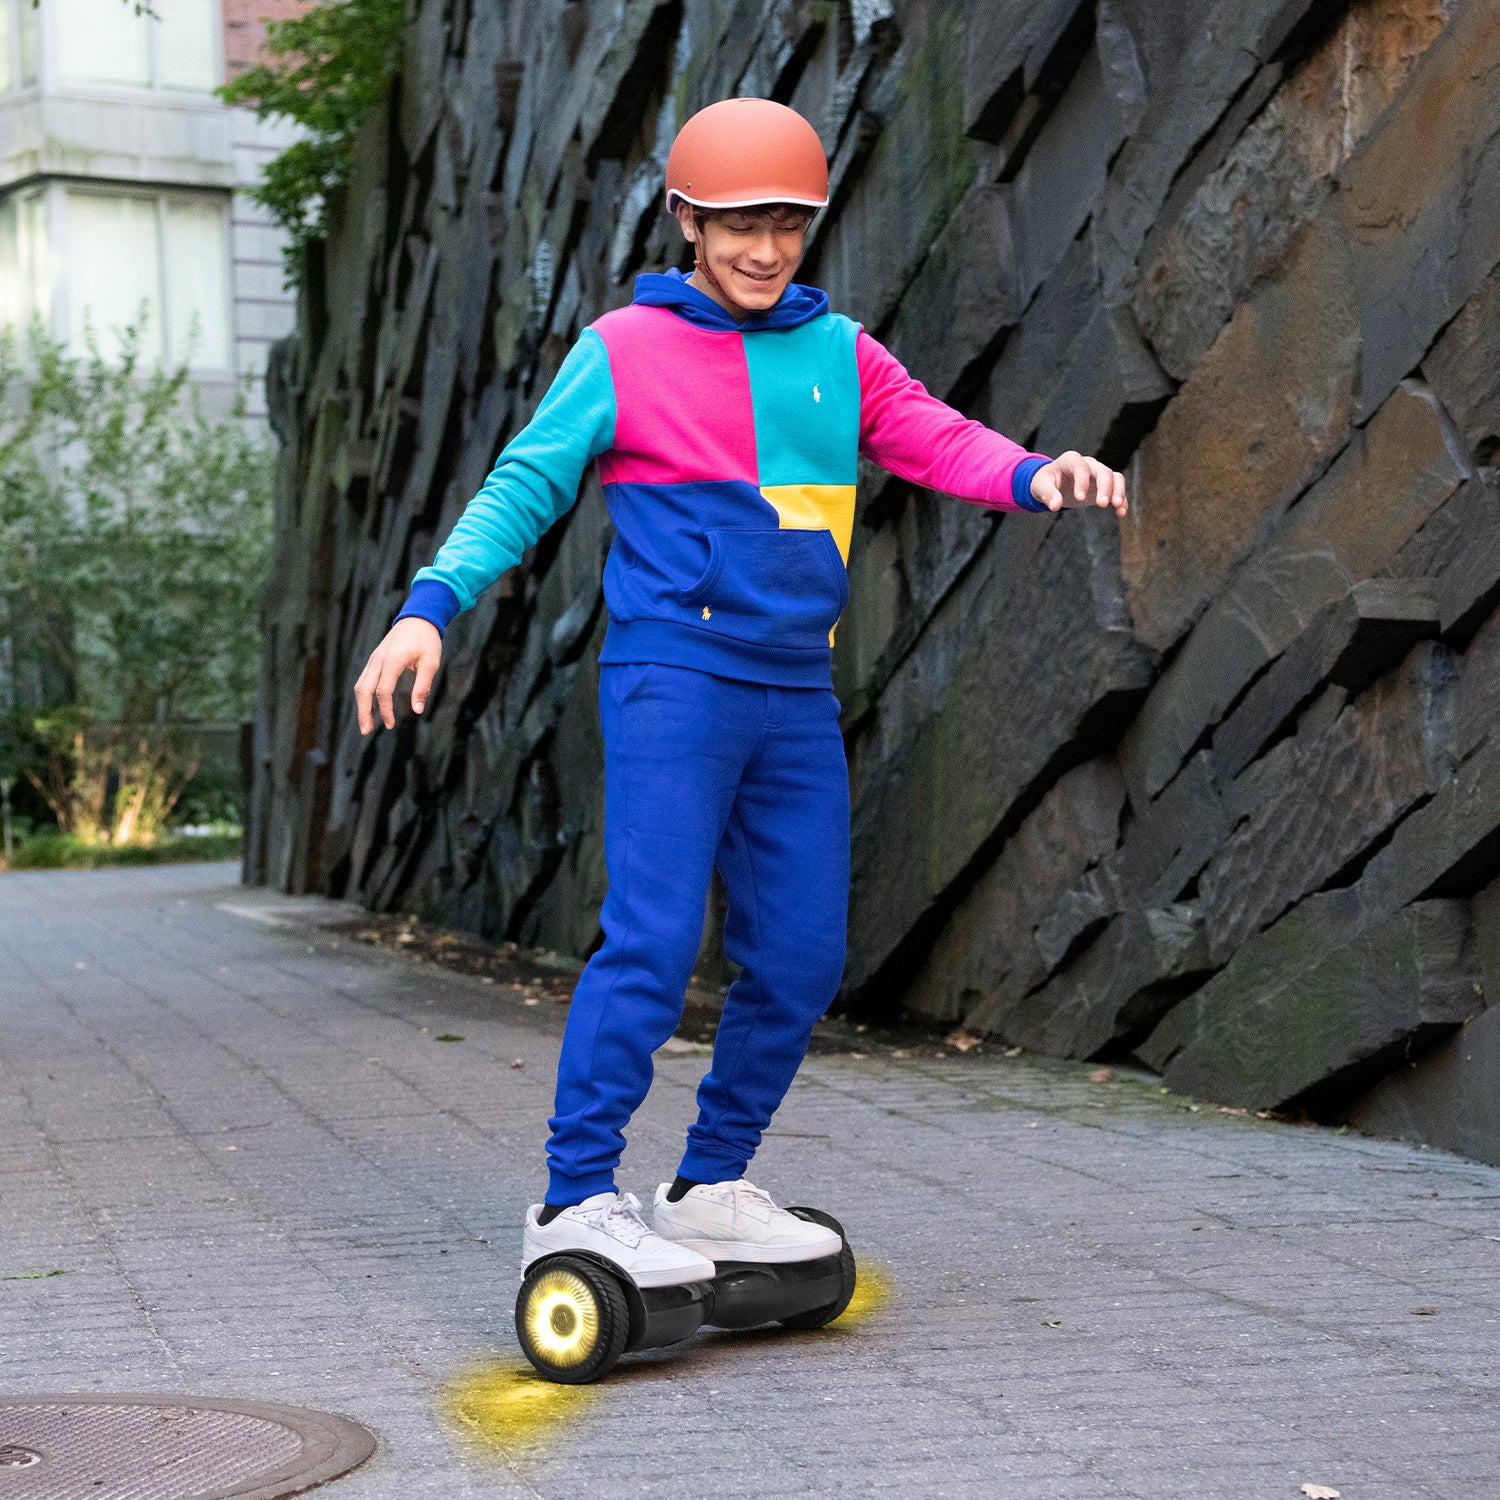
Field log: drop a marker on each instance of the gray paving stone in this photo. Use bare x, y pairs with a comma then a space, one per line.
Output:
263, 1177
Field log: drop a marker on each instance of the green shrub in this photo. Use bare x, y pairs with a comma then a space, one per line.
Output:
60, 851
134, 539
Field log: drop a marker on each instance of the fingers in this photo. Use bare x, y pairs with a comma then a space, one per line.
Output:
1082, 476
1081, 481
427, 665
364, 691
1045, 488
385, 688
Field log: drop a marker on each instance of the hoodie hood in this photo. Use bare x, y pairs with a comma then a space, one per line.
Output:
798, 304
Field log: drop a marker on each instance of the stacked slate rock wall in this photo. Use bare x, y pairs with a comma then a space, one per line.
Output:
1217, 786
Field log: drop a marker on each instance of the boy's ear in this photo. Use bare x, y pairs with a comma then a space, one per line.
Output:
685, 220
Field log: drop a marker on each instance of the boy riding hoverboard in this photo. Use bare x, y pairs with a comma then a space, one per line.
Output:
727, 411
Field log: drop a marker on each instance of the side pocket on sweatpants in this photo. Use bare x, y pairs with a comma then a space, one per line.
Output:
626, 679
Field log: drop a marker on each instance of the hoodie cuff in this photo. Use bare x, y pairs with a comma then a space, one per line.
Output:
1020, 483
432, 601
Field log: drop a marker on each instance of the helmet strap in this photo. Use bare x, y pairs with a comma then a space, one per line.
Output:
700, 265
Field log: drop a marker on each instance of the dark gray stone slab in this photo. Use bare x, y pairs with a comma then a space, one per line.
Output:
1304, 1006
1479, 691
964, 295
1063, 177
1347, 646
1338, 792
1448, 846
985, 947
1469, 591
1116, 990
1037, 357
1006, 41
1165, 846
1448, 1095
1111, 392
1461, 367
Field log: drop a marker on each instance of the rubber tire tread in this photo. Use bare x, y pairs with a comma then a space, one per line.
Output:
614, 1323
821, 1317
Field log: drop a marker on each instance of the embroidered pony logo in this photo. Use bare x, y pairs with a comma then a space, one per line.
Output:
817, 394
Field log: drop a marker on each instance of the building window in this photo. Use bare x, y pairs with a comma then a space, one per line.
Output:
105, 42
25, 285
19, 53
84, 259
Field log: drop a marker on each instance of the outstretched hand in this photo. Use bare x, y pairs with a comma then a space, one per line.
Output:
411, 645
1073, 480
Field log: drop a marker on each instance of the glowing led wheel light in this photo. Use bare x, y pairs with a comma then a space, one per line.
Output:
562, 1318
572, 1319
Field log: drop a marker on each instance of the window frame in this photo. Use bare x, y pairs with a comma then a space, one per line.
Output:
15, 81
59, 315
50, 80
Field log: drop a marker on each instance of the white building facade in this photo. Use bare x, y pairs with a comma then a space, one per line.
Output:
123, 183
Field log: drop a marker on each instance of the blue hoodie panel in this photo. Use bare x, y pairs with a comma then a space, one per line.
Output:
710, 560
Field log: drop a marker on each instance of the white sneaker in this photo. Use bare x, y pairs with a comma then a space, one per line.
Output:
738, 1221
611, 1225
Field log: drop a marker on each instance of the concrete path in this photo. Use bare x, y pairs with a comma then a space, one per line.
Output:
264, 1176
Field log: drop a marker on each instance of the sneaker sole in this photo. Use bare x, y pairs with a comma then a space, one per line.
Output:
659, 1277
770, 1255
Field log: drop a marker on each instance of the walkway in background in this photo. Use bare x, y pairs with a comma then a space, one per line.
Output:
265, 1176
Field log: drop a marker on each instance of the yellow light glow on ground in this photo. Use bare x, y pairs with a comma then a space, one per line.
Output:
873, 1288
508, 1406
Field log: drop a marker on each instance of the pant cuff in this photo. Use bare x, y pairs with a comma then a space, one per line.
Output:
564, 1192
702, 1166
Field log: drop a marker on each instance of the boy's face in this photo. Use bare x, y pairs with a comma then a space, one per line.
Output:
752, 252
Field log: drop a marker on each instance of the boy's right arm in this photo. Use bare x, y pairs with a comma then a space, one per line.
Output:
534, 481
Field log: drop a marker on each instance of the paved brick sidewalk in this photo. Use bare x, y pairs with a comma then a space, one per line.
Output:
265, 1177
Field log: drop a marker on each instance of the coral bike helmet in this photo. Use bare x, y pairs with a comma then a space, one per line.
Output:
741, 153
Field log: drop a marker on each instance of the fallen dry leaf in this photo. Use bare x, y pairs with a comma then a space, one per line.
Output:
1224, 1109
1424, 1312
1101, 1075
960, 1039
1319, 1492
520, 1062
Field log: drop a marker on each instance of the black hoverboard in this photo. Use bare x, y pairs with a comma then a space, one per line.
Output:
578, 1312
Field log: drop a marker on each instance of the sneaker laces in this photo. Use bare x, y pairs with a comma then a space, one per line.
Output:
752, 1201
620, 1220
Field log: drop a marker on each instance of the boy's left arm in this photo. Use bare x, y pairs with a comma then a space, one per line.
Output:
910, 432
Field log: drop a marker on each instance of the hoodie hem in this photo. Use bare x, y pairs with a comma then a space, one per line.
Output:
678, 645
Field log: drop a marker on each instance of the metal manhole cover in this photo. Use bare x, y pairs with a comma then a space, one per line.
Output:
170, 1448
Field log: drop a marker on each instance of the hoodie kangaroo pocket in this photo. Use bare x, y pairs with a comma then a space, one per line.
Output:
781, 587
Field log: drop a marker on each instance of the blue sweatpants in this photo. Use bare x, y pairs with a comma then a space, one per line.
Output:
702, 770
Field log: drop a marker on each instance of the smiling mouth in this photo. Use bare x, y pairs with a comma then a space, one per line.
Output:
764, 278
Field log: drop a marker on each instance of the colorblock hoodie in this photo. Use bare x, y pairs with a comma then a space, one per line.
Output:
728, 455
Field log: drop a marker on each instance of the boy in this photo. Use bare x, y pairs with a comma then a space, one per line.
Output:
726, 411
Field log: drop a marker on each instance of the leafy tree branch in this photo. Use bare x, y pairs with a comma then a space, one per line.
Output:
330, 68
